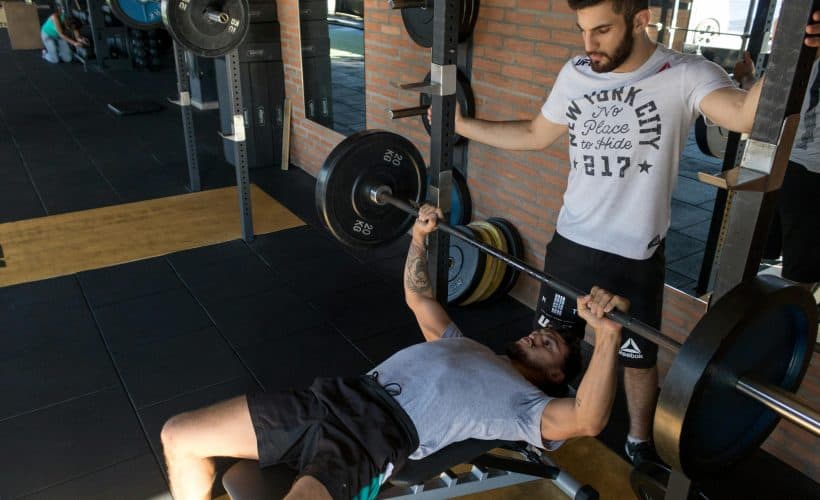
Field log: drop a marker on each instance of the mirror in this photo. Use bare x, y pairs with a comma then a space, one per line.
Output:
333, 63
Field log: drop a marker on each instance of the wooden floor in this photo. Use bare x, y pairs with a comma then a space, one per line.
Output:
58, 245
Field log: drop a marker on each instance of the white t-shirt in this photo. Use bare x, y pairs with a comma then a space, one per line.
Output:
627, 131
806, 148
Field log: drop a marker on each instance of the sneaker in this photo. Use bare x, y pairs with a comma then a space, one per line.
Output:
640, 452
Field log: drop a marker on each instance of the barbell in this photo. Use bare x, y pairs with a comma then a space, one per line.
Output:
730, 380
207, 28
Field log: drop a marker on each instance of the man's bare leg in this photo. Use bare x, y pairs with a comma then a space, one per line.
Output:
308, 488
641, 387
190, 439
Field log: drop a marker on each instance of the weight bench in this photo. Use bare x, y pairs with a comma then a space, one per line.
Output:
429, 478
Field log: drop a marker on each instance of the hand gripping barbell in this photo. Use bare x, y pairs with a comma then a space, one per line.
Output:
729, 381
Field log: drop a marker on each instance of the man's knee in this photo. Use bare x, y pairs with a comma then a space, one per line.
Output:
308, 487
174, 432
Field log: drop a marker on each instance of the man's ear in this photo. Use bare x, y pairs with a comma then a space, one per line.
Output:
641, 20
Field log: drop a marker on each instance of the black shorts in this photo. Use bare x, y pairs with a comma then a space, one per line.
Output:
794, 230
348, 433
640, 281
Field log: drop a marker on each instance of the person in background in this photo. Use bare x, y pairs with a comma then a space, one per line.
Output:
59, 33
794, 230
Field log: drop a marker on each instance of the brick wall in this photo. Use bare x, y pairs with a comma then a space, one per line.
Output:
518, 48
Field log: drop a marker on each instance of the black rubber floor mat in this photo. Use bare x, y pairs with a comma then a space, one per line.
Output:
125, 108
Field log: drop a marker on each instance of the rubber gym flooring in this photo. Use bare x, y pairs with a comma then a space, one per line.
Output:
93, 362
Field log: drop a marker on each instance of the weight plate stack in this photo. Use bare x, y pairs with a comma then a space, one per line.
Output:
516, 249
497, 241
465, 267
490, 265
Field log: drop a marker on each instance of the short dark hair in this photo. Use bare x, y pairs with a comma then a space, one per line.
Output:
572, 363
626, 7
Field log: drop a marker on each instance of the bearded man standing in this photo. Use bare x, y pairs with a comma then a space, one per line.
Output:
627, 106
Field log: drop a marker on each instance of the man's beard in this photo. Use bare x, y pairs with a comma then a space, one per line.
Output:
516, 352
513, 351
622, 52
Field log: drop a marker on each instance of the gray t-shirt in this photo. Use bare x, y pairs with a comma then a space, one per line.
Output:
626, 135
455, 388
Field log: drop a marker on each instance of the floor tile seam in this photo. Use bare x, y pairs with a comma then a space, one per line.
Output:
219, 331
134, 297
115, 365
24, 163
355, 347
690, 205
184, 393
270, 266
691, 236
385, 329
57, 403
84, 151
335, 329
77, 140
80, 476
89, 158
187, 393
126, 353
267, 287
687, 256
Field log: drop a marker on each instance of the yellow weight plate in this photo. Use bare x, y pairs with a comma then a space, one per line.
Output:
489, 268
499, 243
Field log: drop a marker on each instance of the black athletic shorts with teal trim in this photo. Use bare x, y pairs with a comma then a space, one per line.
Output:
640, 281
346, 432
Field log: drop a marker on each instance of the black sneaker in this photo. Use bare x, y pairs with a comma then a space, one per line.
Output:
643, 451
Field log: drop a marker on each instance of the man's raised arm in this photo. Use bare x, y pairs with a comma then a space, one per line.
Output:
418, 292
588, 412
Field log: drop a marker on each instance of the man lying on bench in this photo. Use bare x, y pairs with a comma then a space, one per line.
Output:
345, 436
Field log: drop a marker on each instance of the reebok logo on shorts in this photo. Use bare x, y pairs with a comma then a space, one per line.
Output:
630, 350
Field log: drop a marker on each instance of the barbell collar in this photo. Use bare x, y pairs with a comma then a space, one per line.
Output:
378, 194
216, 16
629, 322
785, 404
407, 112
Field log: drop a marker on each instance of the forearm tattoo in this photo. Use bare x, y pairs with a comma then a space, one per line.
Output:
416, 279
